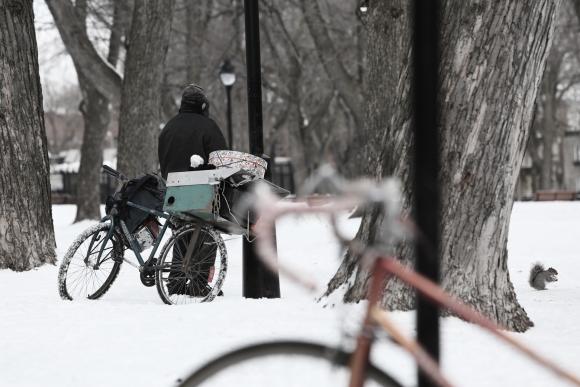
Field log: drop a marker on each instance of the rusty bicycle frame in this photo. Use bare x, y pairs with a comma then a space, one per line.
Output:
382, 269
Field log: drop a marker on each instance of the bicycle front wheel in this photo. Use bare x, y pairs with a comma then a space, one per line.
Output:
91, 264
283, 363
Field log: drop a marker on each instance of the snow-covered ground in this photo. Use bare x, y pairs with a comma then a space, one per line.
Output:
130, 338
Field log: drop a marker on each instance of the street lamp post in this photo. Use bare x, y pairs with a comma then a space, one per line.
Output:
228, 78
258, 280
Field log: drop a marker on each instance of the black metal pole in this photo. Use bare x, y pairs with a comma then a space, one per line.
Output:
229, 112
258, 281
426, 166
254, 68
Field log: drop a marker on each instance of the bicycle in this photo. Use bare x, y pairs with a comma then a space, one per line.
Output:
191, 266
352, 368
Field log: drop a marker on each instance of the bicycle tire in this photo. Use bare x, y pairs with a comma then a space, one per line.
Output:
104, 281
210, 243
334, 356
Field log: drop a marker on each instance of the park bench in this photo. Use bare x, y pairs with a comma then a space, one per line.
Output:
555, 195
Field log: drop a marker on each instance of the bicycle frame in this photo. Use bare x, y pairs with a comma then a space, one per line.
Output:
385, 268
382, 269
130, 238
376, 318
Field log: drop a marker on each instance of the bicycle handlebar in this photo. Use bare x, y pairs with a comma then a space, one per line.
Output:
113, 172
386, 195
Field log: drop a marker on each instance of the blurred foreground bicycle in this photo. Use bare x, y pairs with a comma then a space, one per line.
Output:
299, 363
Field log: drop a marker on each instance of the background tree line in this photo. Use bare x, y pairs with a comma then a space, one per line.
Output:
556, 111
313, 60
304, 44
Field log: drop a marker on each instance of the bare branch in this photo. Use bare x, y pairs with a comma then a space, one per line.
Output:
87, 60
345, 84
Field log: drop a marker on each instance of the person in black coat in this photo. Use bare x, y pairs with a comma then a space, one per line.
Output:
190, 132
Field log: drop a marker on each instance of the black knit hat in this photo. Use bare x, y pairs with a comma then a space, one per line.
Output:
194, 98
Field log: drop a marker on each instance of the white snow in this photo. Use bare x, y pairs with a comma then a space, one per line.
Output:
71, 160
129, 338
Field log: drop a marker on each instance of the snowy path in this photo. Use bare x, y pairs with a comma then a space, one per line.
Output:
130, 338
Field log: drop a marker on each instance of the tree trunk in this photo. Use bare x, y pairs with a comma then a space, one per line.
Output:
121, 18
492, 60
198, 14
547, 166
96, 116
548, 100
533, 146
26, 229
141, 95
576, 5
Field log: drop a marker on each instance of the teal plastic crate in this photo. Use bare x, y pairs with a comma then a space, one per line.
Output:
194, 192
190, 199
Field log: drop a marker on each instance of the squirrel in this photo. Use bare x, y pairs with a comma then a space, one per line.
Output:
539, 276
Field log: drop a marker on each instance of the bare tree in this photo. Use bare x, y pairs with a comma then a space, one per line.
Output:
198, 17
310, 52
87, 60
345, 83
99, 83
141, 96
309, 123
548, 129
490, 72
26, 230
560, 76
187, 60
304, 114
95, 110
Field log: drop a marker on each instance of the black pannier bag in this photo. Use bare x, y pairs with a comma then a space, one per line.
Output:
231, 194
147, 191
229, 198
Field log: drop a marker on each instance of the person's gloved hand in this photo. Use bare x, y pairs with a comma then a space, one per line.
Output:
196, 161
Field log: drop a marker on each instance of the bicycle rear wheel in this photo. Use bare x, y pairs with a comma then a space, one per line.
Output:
198, 279
283, 363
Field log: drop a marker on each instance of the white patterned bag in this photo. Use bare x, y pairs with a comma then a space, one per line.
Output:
250, 163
